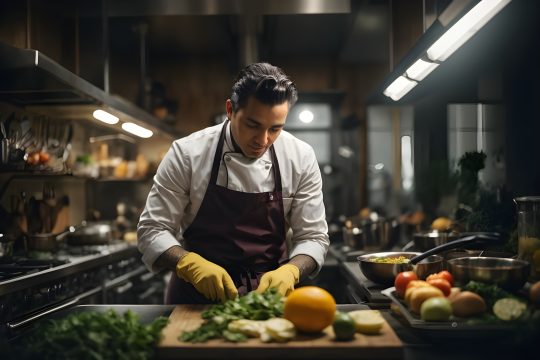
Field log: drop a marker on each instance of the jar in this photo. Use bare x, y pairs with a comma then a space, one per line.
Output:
528, 211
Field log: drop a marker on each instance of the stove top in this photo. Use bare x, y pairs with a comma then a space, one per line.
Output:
25, 266
37, 261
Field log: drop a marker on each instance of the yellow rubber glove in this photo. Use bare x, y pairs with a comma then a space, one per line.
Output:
283, 278
208, 278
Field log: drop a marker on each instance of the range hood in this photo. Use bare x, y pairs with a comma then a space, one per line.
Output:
30, 79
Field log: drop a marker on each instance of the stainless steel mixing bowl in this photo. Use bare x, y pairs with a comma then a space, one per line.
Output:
510, 274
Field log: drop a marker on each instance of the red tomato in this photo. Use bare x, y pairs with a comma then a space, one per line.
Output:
442, 285
446, 275
402, 280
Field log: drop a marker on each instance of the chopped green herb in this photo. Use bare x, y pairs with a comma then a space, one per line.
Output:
252, 306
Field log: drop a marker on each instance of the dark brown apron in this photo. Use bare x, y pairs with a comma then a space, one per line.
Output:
242, 232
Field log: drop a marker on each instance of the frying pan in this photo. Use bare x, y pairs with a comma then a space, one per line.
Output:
423, 264
99, 233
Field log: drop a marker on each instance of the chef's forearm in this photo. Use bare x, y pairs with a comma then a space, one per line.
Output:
170, 258
305, 263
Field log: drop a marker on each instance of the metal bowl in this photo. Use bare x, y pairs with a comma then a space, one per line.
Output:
510, 274
385, 273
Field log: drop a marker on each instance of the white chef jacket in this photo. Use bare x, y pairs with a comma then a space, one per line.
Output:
183, 176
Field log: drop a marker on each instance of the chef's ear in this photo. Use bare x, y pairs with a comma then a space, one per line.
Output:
229, 108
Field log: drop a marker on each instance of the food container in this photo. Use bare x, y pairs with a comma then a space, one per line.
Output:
528, 211
510, 274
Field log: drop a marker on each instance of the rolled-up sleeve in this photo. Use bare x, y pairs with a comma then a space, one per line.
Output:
307, 217
159, 224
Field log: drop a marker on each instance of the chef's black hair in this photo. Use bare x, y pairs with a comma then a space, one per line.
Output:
266, 82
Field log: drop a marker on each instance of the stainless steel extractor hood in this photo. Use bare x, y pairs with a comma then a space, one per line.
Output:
29, 78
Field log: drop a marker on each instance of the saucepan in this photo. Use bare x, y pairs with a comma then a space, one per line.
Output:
44, 241
382, 268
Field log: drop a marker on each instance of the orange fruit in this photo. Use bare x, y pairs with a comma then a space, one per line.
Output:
310, 309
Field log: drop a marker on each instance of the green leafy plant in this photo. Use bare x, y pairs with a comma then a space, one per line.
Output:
469, 166
94, 335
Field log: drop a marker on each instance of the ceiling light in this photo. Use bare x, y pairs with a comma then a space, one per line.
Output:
466, 27
137, 130
306, 116
420, 69
399, 87
105, 117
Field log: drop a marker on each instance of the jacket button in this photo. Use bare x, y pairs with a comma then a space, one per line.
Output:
227, 158
267, 167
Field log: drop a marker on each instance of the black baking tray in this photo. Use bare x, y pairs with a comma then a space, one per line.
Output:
454, 328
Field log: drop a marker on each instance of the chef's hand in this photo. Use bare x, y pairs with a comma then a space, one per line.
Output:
283, 278
208, 278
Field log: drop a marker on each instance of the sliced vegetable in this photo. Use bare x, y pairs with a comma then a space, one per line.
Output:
251, 328
508, 309
279, 329
367, 321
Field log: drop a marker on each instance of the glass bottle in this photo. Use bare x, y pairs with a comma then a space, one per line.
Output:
528, 208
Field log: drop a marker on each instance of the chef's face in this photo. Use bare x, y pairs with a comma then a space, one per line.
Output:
256, 125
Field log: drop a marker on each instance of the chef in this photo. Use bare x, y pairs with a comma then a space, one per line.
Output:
225, 197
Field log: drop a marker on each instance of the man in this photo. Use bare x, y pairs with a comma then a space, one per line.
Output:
224, 197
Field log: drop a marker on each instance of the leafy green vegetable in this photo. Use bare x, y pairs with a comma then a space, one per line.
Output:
252, 306
95, 335
489, 292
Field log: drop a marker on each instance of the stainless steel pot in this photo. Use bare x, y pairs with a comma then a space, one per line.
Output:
44, 241
423, 264
371, 235
428, 240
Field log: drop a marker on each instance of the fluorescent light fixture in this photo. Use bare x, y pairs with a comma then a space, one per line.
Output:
399, 87
105, 117
420, 69
306, 116
137, 130
466, 27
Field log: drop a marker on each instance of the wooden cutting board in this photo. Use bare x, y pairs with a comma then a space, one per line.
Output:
321, 346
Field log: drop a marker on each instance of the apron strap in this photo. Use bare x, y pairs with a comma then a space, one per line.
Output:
217, 156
